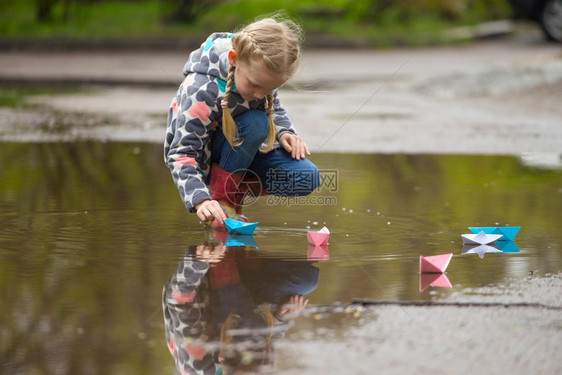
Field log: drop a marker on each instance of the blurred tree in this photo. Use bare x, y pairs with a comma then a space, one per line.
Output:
184, 11
404, 11
66, 11
45, 10
389, 10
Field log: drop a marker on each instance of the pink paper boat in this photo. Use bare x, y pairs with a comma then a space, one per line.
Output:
318, 238
434, 280
435, 263
315, 253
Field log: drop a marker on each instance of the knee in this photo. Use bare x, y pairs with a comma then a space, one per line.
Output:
253, 126
308, 180
295, 182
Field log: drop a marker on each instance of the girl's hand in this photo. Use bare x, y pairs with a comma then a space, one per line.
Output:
210, 254
209, 210
295, 304
295, 145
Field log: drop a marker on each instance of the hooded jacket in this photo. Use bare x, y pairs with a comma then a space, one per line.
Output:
195, 112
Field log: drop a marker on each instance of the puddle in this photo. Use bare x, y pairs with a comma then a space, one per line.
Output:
92, 233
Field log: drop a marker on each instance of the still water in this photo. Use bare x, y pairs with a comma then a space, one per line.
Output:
91, 234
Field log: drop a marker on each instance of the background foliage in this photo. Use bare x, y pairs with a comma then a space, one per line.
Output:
371, 19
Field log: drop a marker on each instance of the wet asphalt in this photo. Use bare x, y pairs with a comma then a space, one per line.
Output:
498, 96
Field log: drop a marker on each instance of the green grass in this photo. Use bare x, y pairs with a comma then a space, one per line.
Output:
114, 18
11, 98
17, 97
416, 24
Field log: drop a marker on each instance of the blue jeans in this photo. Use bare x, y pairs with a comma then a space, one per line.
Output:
277, 171
276, 280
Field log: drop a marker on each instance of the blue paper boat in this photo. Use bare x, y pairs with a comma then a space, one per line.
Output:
240, 240
239, 227
508, 233
507, 246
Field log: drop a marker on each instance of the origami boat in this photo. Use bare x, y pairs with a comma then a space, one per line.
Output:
435, 263
239, 227
508, 233
480, 238
318, 238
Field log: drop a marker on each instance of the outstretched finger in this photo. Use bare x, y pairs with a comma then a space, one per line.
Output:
283, 142
303, 149
218, 212
210, 216
297, 149
201, 214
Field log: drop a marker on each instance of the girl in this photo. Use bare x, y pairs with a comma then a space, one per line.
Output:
226, 123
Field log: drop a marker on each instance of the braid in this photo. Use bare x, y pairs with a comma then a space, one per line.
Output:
271, 129
254, 49
267, 317
228, 126
253, 45
250, 46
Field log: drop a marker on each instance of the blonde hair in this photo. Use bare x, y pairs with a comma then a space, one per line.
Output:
232, 322
277, 44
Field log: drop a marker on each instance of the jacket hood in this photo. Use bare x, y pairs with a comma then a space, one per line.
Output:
212, 57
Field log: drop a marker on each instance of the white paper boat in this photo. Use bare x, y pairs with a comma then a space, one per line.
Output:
480, 238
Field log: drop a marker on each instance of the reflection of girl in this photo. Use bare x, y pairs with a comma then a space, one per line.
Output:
208, 297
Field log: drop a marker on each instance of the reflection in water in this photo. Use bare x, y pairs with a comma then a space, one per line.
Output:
320, 252
496, 247
481, 250
78, 219
224, 308
434, 280
240, 240
507, 246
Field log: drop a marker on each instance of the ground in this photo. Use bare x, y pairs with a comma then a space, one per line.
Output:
489, 97
520, 337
